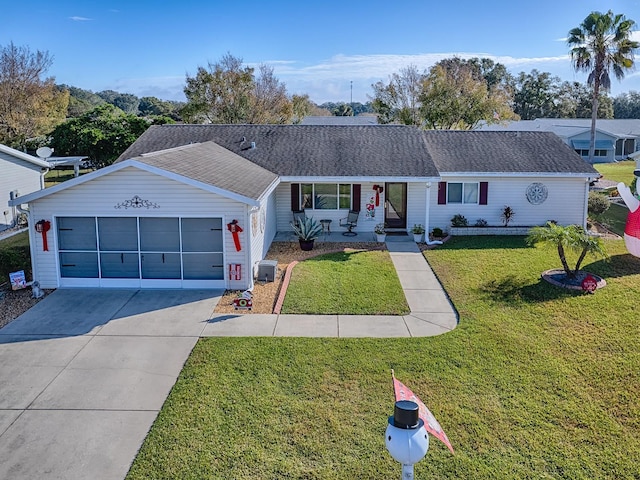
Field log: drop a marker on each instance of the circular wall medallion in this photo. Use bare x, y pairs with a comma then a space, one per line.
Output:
537, 193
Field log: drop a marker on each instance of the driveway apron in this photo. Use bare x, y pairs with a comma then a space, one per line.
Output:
84, 373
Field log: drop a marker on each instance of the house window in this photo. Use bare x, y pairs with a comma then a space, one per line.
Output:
458, 192
596, 153
325, 196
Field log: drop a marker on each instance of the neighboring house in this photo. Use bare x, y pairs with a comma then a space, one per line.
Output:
615, 139
20, 174
364, 119
163, 214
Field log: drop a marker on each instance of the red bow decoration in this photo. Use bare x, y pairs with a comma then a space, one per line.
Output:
43, 226
234, 228
379, 189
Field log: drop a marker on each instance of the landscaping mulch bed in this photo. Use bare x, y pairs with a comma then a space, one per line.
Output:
265, 294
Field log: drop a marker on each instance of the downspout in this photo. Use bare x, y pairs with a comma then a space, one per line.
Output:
586, 204
426, 218
43, 172
32, 240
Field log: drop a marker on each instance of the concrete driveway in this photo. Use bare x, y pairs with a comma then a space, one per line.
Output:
84, 373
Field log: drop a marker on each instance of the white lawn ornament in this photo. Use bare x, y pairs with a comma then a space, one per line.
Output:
632, 227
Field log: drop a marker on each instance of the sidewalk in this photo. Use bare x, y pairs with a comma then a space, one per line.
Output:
431, 312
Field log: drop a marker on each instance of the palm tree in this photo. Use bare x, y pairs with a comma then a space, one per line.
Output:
601, 43
572, 237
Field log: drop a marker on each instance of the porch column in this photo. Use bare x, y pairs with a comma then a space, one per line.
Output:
427, 212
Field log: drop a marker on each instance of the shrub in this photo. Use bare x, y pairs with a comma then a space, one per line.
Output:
459, 220
598, 203
481, 222
507, 214
418, 228
437, 232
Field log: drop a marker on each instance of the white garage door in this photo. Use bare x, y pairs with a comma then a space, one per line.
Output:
141, 252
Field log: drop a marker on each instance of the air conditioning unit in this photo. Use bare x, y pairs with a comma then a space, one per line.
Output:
267, 270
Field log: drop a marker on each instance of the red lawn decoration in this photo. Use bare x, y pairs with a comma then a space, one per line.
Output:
234, 228
589, 284
379, 189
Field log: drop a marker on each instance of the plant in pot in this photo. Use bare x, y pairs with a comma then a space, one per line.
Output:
380, 232
307, 230
418, 231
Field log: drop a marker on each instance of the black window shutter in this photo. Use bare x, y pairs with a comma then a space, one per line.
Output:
484, 191
295, 196
442, 193
355, 200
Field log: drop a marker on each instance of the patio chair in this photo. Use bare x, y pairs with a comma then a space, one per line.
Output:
350, 222
297, 216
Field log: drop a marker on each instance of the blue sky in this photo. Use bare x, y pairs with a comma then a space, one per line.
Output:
316, 47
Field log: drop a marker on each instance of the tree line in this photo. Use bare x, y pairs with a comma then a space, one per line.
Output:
454, 93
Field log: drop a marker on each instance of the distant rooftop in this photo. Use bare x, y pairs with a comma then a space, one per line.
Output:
332, 120
568, 127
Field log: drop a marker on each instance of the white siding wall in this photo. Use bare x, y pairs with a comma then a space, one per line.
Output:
416, 204
15, 174
263, 230
100, 196
566, 202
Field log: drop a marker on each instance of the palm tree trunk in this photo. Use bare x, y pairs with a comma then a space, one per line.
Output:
594, 116
581, 258
563, 260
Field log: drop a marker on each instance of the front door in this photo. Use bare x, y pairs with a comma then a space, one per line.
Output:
395, 205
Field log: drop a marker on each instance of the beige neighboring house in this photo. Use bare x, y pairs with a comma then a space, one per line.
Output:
20, 174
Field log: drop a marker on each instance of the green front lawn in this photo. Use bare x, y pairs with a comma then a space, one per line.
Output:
617, 172
535, 382
351, 282
15, 256
615, 218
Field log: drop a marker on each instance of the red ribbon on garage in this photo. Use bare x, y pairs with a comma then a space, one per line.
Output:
43, 226
235, 229
379, 189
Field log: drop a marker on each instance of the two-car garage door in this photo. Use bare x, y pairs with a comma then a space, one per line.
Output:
157, 252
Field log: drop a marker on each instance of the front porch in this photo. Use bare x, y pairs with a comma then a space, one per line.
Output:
338, 237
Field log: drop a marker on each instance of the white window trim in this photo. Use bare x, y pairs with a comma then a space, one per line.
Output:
477, 202
337, 195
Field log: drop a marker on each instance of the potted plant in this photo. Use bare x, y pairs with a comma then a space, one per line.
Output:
380, 232
307, 231
418, 231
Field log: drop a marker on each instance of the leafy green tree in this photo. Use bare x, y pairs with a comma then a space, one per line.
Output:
80, 101
535, 94
302, 107
601, 43
570, 237
30, 105
126, 102
269, 101
102, 134
399, 100
575, 100
228, 92
455, 96
627, 105
343, 110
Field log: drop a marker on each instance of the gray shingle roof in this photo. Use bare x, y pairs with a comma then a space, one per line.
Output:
508, 152
306, 150
211, 164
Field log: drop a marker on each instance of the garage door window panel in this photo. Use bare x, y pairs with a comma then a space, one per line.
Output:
159, 235
203, 266
119, 265
77, 233
79, 264
202, 235
118, 234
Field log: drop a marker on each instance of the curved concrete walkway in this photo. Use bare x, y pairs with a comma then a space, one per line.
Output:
431, 311
84, 373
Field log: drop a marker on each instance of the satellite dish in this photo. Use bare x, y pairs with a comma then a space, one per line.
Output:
44, 152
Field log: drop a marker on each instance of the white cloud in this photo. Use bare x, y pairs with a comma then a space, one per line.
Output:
80, 19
